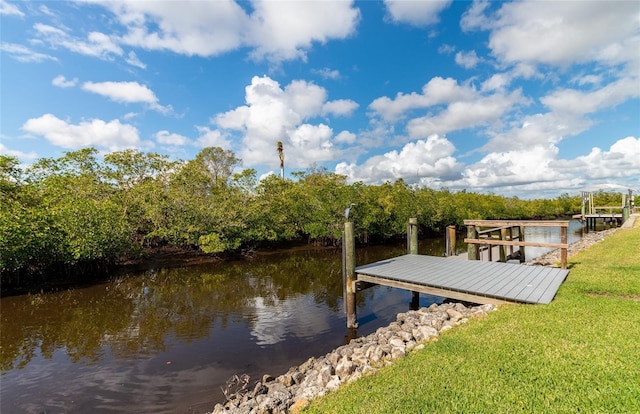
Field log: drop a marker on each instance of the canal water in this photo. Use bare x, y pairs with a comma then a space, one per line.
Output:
166, 340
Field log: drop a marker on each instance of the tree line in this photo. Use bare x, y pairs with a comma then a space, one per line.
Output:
85, 208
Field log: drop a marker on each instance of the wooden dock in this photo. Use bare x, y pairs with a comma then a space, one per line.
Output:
466, 280
471, 281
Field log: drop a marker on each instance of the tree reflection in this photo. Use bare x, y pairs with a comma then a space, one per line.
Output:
133, 315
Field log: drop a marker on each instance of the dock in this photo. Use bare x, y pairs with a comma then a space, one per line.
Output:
470, 281
483, 282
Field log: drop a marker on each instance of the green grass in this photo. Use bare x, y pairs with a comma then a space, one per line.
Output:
581, 353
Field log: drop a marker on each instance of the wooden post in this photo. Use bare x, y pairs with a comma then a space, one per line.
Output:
472, 249
350, 275
563, 251
511, 239
503, 248
450, 241
412, 237
521, 238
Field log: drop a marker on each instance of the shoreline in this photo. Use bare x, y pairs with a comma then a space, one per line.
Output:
589, 239
293, 391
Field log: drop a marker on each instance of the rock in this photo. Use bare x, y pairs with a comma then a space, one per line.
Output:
299, 406
398, 353
423, 333
333, 384
454, 315
324, 375
396, 343
259, 389
292, 391
345, 367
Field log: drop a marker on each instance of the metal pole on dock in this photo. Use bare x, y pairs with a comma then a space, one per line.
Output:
412, 248
349, 258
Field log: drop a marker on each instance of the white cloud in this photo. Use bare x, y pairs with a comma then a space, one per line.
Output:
572, 101
467, 60
536, 169
273, 114
474, 17
62, 82
517, 167
417, 13
191, 28
496, 82
621, 160
327, 73
482, 111
24, 54
417, 161
45, 10
8, 9
167, 138
566, 118
133, 60
587, 79
286, 30
275, 31
97, 44
437, 91
340, 107
537, 129
111, 135
304, 98
126, 92
346, 137
559, 33
18, 154
211, 138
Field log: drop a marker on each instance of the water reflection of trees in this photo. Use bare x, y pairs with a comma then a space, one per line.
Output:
132, 316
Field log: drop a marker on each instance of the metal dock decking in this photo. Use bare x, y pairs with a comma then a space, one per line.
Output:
471, 281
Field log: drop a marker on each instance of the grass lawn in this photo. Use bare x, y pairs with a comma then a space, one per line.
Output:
581, 353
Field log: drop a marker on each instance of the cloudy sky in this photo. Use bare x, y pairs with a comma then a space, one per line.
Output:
528, 98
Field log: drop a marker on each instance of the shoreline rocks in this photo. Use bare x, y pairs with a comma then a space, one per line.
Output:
588, 239
292, 391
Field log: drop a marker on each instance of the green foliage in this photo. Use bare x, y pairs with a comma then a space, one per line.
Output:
80, 208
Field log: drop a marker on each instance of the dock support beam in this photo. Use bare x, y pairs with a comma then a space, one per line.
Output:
349, 244
412, 248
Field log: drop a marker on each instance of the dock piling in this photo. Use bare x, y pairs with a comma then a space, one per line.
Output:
450, 241
412, 248
472, 249
350, 274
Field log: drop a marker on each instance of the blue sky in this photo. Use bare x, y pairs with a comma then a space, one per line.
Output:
525, 98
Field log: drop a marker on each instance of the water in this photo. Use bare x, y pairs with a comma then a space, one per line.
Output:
165, 340
550, 235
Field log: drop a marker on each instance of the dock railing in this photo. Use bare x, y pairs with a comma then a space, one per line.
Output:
501, 233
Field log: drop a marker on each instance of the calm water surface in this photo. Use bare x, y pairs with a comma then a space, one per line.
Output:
166, 340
